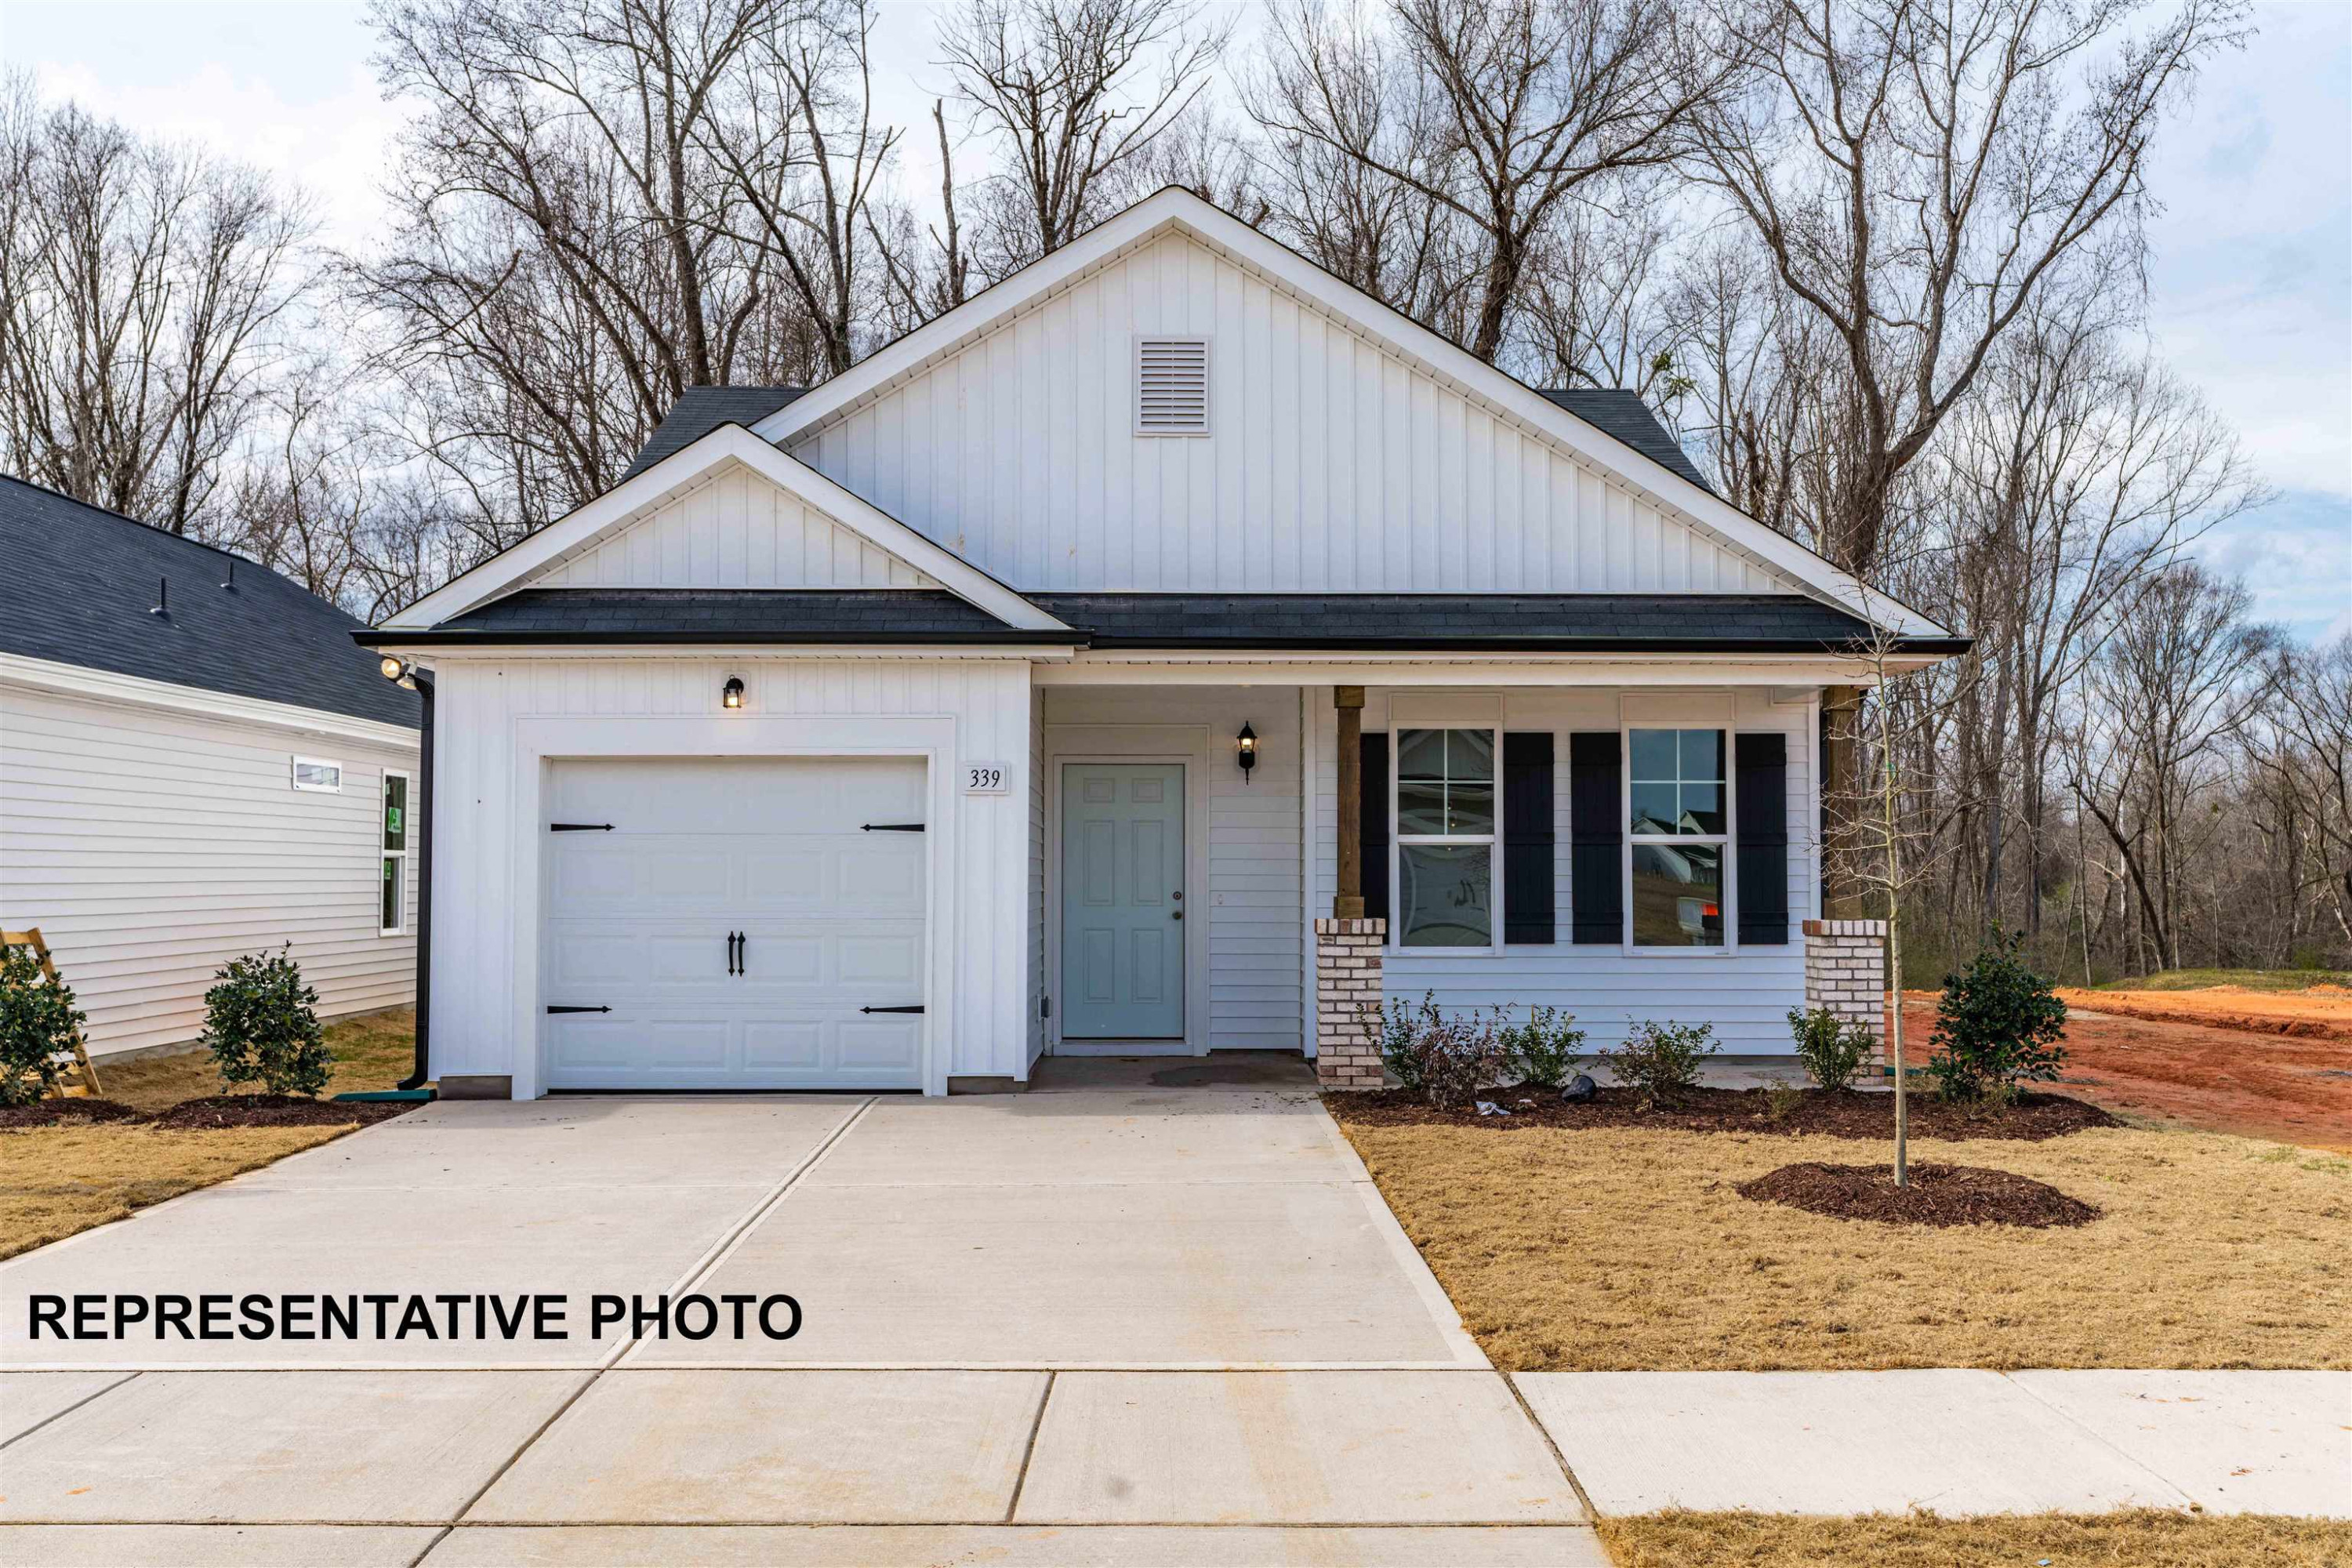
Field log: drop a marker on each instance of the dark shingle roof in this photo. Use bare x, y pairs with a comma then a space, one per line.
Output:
699, 410
1559, 622
1562, 623
1623, 415
77, 583
726, 614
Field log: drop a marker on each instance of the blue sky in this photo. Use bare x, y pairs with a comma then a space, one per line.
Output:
2249, 279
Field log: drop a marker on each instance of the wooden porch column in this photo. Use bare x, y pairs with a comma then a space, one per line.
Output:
1347, 898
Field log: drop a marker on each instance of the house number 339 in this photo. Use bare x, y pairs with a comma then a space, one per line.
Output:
984, 778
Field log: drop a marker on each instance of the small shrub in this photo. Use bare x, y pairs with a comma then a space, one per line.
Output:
1545, 1050
36, 1022
1661, 1061
1833, 1049
1997, 1025
1781, 1099
260, 1026
1396, 1030
1446, 1059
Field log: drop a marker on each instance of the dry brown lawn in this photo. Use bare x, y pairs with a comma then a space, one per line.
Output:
373, 1051
1589, 1250
2141, 1540
56, 1181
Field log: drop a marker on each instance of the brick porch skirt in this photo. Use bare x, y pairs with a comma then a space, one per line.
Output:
1347, 984
1845, 971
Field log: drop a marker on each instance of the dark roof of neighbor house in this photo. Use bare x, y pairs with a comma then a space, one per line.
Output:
1495, 623
1615, 412
699, 410
78, 583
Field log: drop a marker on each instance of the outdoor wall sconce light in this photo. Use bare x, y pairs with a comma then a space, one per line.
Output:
1247, 742
731, 694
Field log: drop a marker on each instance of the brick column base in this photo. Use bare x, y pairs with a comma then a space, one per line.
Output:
1347, 982
1845, 971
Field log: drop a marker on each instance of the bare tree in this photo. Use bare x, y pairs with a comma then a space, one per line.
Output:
806, 156
2161, 703
1916, 170
145, 293
1071, 92
568, 254
1509, 110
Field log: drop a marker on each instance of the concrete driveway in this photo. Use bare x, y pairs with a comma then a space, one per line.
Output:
1116, 1322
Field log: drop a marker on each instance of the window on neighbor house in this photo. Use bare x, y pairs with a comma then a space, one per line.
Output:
1445, 837
311, 773
1680, 834
395, 911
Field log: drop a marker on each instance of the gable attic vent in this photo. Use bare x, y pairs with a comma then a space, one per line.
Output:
1172, 386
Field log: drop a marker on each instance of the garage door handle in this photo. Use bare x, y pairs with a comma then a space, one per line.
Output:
580, 828
917, 1008
579, 1009
889, 827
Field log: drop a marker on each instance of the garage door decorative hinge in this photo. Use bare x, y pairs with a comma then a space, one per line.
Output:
579, 1009
580, 828
889, 827
917, 1008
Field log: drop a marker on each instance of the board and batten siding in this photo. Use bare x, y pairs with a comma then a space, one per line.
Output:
731, 530
1746, 993
1332, 464
482, 1025
151, 846
1255, 946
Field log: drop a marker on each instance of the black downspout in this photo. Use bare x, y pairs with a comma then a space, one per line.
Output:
424, 890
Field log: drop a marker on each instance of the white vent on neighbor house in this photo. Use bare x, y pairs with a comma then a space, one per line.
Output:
1172, 386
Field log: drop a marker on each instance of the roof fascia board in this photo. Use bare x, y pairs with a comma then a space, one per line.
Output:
1481, 382
617, 507
83, 682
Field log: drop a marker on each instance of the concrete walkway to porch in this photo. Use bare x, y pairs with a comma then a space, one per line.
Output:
1153, 1312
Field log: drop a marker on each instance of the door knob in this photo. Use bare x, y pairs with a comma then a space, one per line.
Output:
1176, 915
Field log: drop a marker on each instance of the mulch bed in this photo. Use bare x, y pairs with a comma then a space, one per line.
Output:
1935, 1196
220, 1110
65, 1113
2030, 1119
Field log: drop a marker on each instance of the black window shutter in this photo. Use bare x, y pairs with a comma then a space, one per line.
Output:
1527, 838
1596, 830
1762, 838
1373, 834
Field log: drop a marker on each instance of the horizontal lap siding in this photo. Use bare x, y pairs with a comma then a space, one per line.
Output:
152, 847
1331, 464
480, 703
1255, 936
1745, 994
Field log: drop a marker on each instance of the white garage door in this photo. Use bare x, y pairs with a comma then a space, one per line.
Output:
736, 917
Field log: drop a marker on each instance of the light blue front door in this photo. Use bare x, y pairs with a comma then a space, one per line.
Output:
1123, 900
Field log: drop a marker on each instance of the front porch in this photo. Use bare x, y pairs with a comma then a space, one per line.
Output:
1182, 903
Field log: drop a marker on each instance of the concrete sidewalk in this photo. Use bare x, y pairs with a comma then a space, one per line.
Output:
1956, 1442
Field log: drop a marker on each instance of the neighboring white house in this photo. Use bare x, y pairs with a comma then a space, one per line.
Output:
195, 762
1040, 683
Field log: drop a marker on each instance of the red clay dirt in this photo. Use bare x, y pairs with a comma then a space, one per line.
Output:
2315, 1013
2289, 1088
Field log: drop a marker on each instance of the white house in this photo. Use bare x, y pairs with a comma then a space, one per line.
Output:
195, 763
1047, 681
